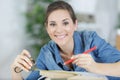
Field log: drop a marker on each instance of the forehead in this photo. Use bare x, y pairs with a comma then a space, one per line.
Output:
59, 15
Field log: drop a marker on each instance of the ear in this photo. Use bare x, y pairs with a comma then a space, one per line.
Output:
76, 24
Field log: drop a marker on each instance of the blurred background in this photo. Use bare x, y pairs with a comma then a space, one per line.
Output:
22, 27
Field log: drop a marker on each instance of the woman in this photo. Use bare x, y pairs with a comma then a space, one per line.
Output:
67, 43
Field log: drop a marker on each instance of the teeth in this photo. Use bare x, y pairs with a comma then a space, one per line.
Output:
60, 36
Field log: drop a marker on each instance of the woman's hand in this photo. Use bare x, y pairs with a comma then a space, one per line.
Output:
85, 61
22, 62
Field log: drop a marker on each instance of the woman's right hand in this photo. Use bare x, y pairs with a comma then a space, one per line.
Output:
22, 62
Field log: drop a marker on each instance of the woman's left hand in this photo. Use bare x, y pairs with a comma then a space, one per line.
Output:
85, 61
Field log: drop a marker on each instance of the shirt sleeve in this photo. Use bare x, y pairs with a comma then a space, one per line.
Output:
34, 75
105, 52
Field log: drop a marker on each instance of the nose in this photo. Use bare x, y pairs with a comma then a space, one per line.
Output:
59, 29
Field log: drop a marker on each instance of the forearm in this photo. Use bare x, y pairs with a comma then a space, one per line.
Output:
110, 69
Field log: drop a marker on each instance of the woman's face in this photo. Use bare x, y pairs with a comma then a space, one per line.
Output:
60, 27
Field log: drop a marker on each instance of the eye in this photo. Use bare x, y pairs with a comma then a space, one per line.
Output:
52, 24
65, 23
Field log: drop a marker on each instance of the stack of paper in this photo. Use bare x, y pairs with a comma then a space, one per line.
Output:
69, 75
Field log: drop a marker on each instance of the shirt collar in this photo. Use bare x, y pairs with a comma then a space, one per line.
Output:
57, 55
78, 46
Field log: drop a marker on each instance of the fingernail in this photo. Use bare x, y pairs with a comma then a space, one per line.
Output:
29, 67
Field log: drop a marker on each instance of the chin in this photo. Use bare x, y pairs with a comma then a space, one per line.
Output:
60, 43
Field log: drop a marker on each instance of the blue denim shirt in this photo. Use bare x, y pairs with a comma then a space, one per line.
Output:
49, 57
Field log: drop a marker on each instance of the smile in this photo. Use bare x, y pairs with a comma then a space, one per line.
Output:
60, 36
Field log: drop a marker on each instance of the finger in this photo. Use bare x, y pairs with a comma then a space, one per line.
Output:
81, 61
26, 53
16, 60
84, 55
22, 67
26, 59
75, 56
19, 62
24, 63
80, 56
75, 61
82, 64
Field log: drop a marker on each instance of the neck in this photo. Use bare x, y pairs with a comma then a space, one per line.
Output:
68, 48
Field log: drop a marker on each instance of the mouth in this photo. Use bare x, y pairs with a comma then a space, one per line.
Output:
60, 36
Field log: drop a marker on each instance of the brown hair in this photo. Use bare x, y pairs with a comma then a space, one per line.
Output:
60, 5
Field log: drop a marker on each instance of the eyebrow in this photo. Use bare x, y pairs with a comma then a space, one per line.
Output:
52, 21
62, 20
65, 19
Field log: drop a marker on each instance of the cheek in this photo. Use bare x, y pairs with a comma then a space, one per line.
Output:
71, 29
50, 34
49, 31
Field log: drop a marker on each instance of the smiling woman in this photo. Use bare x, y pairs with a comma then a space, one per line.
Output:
60, 27
67, 43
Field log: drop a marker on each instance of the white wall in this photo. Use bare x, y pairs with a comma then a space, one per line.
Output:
106, 19
119, 5
83, 6
12, 34
105, 13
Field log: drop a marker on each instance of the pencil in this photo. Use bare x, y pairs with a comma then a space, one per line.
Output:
88, 51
